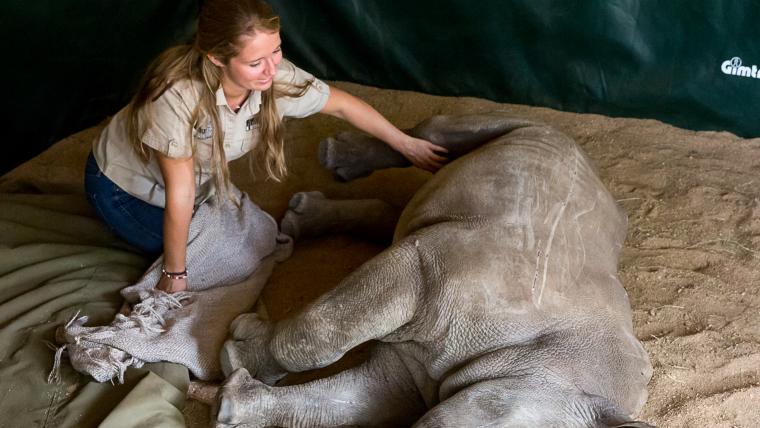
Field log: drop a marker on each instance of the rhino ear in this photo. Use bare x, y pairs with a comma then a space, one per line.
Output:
634, 424
612, 416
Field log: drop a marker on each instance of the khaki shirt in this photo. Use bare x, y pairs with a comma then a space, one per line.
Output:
168, 134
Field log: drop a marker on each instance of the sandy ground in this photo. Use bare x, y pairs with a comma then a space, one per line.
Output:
691, 263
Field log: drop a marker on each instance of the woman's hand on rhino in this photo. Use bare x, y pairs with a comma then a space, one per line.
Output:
423, 154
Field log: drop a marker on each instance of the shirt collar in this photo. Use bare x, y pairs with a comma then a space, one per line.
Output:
252, 104
220, 99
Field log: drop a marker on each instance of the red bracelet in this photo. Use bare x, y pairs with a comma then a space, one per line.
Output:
174, 275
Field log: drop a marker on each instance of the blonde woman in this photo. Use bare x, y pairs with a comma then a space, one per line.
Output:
200, 106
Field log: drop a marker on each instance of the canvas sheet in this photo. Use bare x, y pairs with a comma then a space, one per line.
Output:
57, 259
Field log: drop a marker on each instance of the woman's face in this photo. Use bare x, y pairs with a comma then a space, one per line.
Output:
256, 64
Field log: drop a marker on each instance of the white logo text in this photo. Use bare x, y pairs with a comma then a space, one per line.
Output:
734, 67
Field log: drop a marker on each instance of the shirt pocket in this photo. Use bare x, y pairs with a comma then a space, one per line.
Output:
203, 161
203, 141
203, 133
250, 136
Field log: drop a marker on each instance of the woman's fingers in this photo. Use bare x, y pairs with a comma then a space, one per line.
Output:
425, 155
433, 160
438, 148
430, 164
438, 158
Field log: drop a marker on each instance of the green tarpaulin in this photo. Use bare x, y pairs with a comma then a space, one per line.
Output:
676, 61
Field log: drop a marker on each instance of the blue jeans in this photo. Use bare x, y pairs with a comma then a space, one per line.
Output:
135, 221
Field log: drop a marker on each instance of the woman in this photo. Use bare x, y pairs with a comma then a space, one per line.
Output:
200, 106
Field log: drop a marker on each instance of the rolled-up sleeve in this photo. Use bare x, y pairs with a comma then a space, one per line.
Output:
169, 125
289, 77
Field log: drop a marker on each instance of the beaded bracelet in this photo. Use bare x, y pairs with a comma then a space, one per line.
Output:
174, 275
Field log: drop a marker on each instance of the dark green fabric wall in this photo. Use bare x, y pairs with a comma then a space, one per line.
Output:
69, 64
73, 63
636, 58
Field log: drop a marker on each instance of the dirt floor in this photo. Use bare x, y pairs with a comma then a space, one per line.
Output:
691, 263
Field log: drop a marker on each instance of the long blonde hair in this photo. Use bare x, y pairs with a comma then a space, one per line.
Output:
221, 23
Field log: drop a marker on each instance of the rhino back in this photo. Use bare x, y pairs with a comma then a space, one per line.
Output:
516, 240
529, 208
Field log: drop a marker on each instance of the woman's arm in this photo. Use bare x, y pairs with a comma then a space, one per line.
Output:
179, 178
423, 154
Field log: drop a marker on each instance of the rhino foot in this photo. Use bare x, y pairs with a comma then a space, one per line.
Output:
338, 155
249, 349
243, 402
352, 155
308, 214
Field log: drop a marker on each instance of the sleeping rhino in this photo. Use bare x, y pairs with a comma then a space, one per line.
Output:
497, 304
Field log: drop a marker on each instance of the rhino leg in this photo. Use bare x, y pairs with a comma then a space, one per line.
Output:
310, 214
380, 392
248, 348
375, 300
352, 155
525, 400
462, 134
